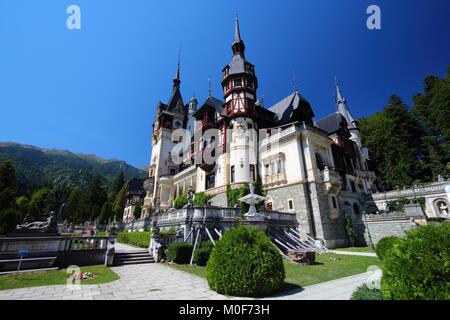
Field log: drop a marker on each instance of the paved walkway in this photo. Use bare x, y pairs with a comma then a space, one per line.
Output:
353, 253
160, 282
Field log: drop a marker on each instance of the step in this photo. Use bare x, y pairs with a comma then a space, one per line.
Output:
122, 263
133, 258
132, 254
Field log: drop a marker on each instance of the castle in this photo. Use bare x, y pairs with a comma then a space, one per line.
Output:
318, 170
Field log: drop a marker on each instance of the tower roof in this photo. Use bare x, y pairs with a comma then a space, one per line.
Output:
341, 104
175, 98
238, 45
293, 108
237, 32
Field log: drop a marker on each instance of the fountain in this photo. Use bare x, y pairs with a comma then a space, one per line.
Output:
253, 199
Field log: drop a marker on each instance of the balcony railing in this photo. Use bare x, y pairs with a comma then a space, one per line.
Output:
275, 179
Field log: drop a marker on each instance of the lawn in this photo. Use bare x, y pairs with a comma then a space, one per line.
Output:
101, 273
328, 267
356, 249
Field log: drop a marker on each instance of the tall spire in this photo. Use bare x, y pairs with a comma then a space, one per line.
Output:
294, 81
341, 104
209, 86
177, 80
238, 45
237, 33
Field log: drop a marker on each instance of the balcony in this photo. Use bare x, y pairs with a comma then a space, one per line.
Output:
275, 179
331, 179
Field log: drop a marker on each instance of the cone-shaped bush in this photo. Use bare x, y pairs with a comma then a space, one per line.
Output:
245, 263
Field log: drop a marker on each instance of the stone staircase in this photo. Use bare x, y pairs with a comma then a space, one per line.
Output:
132, 257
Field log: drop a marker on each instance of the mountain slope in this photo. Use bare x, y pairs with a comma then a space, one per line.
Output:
38, 166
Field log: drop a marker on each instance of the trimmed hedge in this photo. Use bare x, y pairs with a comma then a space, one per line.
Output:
180, 252
245, 263
365, 293
386, 244
139, 239
418, 267
202, 254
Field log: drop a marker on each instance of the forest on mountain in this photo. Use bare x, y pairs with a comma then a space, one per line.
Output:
81, 188
411, 145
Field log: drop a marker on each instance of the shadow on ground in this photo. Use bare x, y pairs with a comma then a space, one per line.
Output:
285, 290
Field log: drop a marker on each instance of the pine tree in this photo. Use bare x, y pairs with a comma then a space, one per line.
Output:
117, 184
73, 206
8, 185
97, 197
119, 202
106, 212
137, 211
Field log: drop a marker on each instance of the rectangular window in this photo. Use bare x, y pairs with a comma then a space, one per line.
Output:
210, 181
252, 172
232, 174
280, 166
291, 205
333, 199
273, 167
237, 82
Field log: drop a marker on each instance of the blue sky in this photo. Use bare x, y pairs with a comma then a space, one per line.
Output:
95, 90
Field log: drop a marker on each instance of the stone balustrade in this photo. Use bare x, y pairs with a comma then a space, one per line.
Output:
417, 191
275, 179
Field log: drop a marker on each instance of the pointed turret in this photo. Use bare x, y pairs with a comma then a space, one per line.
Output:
238, 45
341, 104
175, 99
352, 124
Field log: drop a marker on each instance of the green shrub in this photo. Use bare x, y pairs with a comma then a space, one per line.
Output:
180, 252
139, 239
180, 201
386, 244
201, 199
351, 235
202, 254
365, 293
245, 263
418, 267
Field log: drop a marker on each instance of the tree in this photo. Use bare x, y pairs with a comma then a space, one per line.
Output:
394, 138
8, 185
137, 211
119, 202
73, 206
97, 197
9, 218
106, 213
38, 203
117, 184
23, 205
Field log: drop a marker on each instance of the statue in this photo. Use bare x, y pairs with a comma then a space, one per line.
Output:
444, 209
48, 226
190, 196
251, 186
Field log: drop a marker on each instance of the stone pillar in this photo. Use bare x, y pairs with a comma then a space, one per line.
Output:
110, 251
